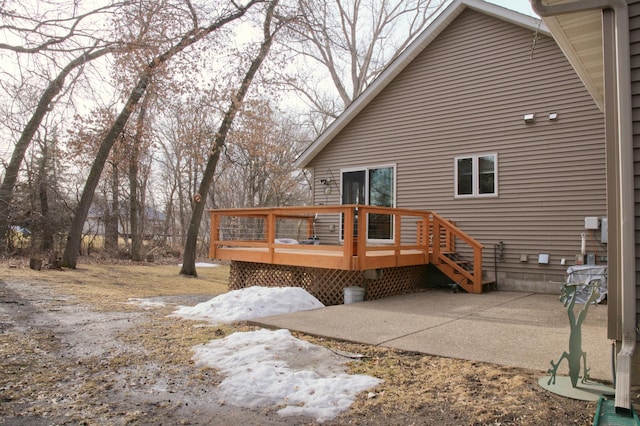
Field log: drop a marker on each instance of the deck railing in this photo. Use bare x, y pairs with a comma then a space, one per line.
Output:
382, 237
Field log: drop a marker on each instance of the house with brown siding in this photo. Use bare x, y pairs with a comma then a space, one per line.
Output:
484, 121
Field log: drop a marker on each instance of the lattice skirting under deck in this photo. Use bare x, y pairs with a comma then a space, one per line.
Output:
327, 285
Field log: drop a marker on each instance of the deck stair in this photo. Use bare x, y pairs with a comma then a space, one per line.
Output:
447, 241
461, 271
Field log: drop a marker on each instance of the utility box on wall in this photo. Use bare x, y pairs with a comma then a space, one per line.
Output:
591, 222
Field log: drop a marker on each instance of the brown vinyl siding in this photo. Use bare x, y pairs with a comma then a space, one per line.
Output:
634, 38
466, 94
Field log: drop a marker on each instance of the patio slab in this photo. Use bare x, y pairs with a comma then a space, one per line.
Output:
508, 328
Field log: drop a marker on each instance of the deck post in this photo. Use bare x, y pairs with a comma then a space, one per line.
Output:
477, 270
271, 233
215, 234
397, 227
451, 239
348, 234
425, 234
310, 227
363, 219
436, 239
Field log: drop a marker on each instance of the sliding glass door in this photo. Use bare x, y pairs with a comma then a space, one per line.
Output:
373, 186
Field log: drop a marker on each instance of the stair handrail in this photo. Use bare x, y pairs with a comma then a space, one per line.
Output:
440, 222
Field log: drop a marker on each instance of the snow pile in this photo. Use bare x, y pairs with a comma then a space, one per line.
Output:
265, 368
249, 303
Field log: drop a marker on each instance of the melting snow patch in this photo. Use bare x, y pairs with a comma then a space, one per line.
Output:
204, 265
249, 303
265, 368
146, 303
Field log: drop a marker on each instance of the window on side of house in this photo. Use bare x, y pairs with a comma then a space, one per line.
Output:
476, 176
373, 186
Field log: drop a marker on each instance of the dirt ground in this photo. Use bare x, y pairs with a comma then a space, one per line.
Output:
73, 350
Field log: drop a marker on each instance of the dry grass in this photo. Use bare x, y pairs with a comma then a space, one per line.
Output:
107, 284
423, 389
417, 388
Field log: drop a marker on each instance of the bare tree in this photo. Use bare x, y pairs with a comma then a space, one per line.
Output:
353, 40
69, 37
82, 145
191, 37
260, 152
39, 205
44, 104
57, 28
269, 30
183, 134
136, 207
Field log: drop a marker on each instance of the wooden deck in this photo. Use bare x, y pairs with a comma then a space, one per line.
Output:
413, 237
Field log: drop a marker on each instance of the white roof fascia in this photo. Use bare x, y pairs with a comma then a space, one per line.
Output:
565, 44
440, 23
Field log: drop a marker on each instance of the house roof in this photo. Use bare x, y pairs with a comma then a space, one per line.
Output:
440, 23
579, 35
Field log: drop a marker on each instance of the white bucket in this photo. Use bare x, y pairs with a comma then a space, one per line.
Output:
353, 294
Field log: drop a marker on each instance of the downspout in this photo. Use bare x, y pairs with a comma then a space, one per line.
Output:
625, 182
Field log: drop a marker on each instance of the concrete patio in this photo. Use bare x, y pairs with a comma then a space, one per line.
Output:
508, 328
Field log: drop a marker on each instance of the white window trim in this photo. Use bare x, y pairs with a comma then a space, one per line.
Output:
366, 182
475, 181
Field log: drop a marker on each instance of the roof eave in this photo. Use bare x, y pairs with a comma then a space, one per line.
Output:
592, 77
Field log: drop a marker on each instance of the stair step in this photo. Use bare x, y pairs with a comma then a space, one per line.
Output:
464, 263
456, 273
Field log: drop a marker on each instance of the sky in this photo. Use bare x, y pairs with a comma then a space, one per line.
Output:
522, 6
271, 368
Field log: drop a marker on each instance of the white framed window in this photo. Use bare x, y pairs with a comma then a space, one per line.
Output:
374, 186
476, 176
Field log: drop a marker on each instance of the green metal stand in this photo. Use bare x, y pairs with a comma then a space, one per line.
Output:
575, 386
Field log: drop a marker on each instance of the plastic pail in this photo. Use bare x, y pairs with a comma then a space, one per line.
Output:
353, 294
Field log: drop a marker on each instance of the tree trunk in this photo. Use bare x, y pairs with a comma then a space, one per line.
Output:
45, 221
169, 228
112, 217
44, 105
190, 249
134, 199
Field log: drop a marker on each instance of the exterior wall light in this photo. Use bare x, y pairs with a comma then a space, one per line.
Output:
553, 116
529, 118
327, 183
